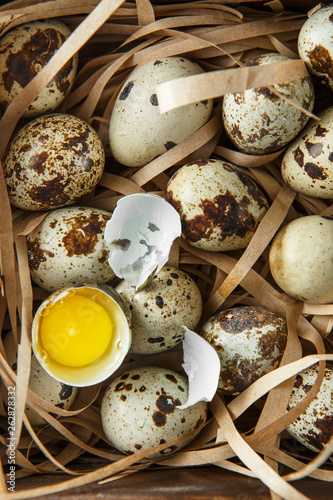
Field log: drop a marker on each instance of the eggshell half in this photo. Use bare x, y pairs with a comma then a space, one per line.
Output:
68, 248
139, 410
220, 206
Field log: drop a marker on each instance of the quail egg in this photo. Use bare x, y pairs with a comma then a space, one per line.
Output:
139, 411
24, 51
249, 340
314, 427
315, 45
53, 161
307, 163
220, 207
168, 302
258, 121
138, 131
300, 259
68, 248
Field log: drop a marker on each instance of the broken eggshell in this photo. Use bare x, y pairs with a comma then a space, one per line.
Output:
139, 236
202, 366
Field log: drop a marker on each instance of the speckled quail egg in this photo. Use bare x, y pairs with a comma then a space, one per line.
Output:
220, 206
315, 44
168, 302
52, 162
139, 410
249, 340
138, 131
259, 122
307, 165
314, 427
68, 248
41, 383
24, 51
300, 259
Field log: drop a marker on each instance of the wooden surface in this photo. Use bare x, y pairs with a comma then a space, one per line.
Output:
196, 483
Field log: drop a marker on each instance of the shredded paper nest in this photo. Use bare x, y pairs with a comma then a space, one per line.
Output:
113, 37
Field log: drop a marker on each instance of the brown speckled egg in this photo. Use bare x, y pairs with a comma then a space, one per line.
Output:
259, 122
139, 410
53, 161
249, 340
315, 44
68, 248
220, 206
314, 427
24, 51
300, 259
41, 383
307, 165
138, 131
168, 302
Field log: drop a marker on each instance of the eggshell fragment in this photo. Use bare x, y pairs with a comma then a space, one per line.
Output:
300, 259
315, 44
41, 383
138, 131
68, 248
53, 161
307, 164
159, 310
139, 411
24, 51
202, 366
250, 341
139, 236
220, 207
314, 427
258, 121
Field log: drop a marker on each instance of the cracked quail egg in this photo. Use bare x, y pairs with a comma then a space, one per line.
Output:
300, 259
53, 161
220, 207
41, 383
138, 131
168, 302
314, 427
68, 248
259, 122
139, 410
24, 51
249, 340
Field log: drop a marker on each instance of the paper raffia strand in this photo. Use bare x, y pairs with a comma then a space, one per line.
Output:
139, 235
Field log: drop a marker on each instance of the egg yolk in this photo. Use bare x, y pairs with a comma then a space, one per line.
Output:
75, 331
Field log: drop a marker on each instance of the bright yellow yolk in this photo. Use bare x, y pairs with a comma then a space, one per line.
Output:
76, 331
